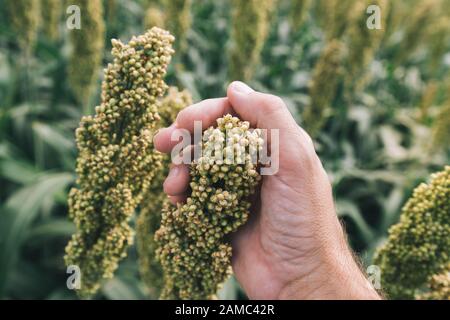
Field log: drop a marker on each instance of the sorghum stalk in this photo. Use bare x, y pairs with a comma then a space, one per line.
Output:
155, 198
192, 250
87, 49
324, 84
116, 161
110, 10
249, 30
51, 12
419, 245
25, 20
179, 20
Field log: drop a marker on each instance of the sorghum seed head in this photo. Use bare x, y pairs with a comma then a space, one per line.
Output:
116, 161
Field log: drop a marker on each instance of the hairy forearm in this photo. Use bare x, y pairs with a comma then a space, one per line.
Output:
342, 281
338, 276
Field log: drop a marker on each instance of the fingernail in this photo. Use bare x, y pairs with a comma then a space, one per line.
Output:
173, 173
241, 87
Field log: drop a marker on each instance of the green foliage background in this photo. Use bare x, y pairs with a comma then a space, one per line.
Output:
376, 142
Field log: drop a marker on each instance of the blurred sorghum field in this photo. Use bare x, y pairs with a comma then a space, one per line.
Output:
377, 103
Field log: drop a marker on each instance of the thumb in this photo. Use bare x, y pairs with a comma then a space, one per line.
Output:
266, 111
262, 110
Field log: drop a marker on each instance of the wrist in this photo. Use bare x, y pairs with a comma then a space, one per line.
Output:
341, 281
349, 281
336, 276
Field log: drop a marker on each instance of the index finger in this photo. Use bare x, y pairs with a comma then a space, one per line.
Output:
206, 111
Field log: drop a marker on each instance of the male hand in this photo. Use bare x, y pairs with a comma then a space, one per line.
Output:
293, 246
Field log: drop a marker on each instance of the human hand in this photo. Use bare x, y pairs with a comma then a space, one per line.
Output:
293, 246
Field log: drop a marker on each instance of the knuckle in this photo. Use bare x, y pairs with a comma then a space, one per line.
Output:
272, 103
182, 115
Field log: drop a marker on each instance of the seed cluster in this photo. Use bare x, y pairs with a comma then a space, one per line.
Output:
438, 287
419, 245
155, 199
87, 48
116, 161
191, 247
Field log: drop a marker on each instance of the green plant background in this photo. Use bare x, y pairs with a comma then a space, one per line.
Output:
375, 145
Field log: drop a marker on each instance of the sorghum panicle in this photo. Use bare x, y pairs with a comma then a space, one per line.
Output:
116, 161
325, 80
441, 127
154, 17
438, 287
438, 36
419, 245
87, 48
51, 13
334, 16
192, 250
363, 42
249, 30
420, 19
179, 20
25, 19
